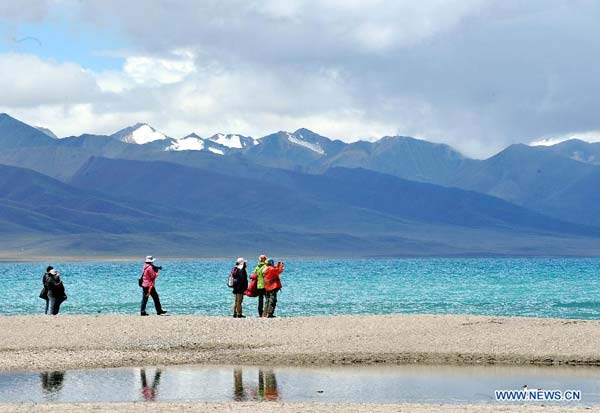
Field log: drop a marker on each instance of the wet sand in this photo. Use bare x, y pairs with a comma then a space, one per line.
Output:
269, 407
122, 340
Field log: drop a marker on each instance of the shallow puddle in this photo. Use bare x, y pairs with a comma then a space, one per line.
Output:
393, 384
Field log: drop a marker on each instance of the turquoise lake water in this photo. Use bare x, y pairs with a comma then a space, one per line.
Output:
568, 288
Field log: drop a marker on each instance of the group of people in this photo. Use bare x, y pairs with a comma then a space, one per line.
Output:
265, 284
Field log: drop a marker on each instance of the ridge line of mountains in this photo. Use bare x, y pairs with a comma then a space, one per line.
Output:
294, 194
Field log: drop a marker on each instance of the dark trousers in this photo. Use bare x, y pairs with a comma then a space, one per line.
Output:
261, 300
155, 298
53, 305
271, 303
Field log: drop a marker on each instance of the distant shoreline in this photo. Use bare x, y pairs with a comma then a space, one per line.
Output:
127, 340
66, 259
50, 259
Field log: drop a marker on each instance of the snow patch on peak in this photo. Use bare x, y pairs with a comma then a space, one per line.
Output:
315, 147
143, 133
217, 151
186, 144
230, 141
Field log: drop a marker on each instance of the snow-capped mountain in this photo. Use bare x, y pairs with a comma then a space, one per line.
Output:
140, 134
234, 141
298, 139
300, 150
193, 142
219, 144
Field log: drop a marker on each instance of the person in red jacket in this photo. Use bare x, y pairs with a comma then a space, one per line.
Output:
272, 286
149, 275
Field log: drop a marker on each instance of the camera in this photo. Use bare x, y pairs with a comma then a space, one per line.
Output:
157, 268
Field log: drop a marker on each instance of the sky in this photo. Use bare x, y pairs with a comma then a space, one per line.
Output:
477, 75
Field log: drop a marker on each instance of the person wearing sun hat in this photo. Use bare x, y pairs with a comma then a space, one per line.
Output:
240, 283
149, 275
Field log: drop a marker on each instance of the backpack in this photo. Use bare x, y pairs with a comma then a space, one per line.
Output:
231, 280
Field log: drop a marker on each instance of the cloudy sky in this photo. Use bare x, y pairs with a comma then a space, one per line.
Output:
478, 75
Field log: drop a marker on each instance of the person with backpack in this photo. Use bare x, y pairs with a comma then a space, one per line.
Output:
260, 282
272, 286
148, 284
55, 290
238, 280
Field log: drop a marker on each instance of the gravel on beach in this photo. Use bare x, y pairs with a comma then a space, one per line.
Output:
79, 341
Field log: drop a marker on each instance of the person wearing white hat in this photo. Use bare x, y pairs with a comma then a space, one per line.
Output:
56, 291
149, 275
239, 278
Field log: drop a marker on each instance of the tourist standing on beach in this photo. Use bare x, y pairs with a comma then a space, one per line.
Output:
260, 282
44, 292
149, 275
56, 291
240, 283
272, 286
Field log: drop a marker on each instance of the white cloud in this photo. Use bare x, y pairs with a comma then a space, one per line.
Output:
30, 81
25, 10
476, 74
590, 136
148, 69
141, 70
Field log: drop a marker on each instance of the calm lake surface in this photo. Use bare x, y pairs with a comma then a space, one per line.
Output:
568, 288
393, 384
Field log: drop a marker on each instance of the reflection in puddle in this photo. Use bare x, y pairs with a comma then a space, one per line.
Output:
52, 382
239, 395
149, 392
270, 386
391, 384
264, 389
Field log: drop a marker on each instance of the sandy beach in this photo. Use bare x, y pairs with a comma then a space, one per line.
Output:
120, 340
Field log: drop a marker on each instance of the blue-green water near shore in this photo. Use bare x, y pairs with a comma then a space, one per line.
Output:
558, 287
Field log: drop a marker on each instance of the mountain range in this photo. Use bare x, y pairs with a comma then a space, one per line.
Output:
299, 193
